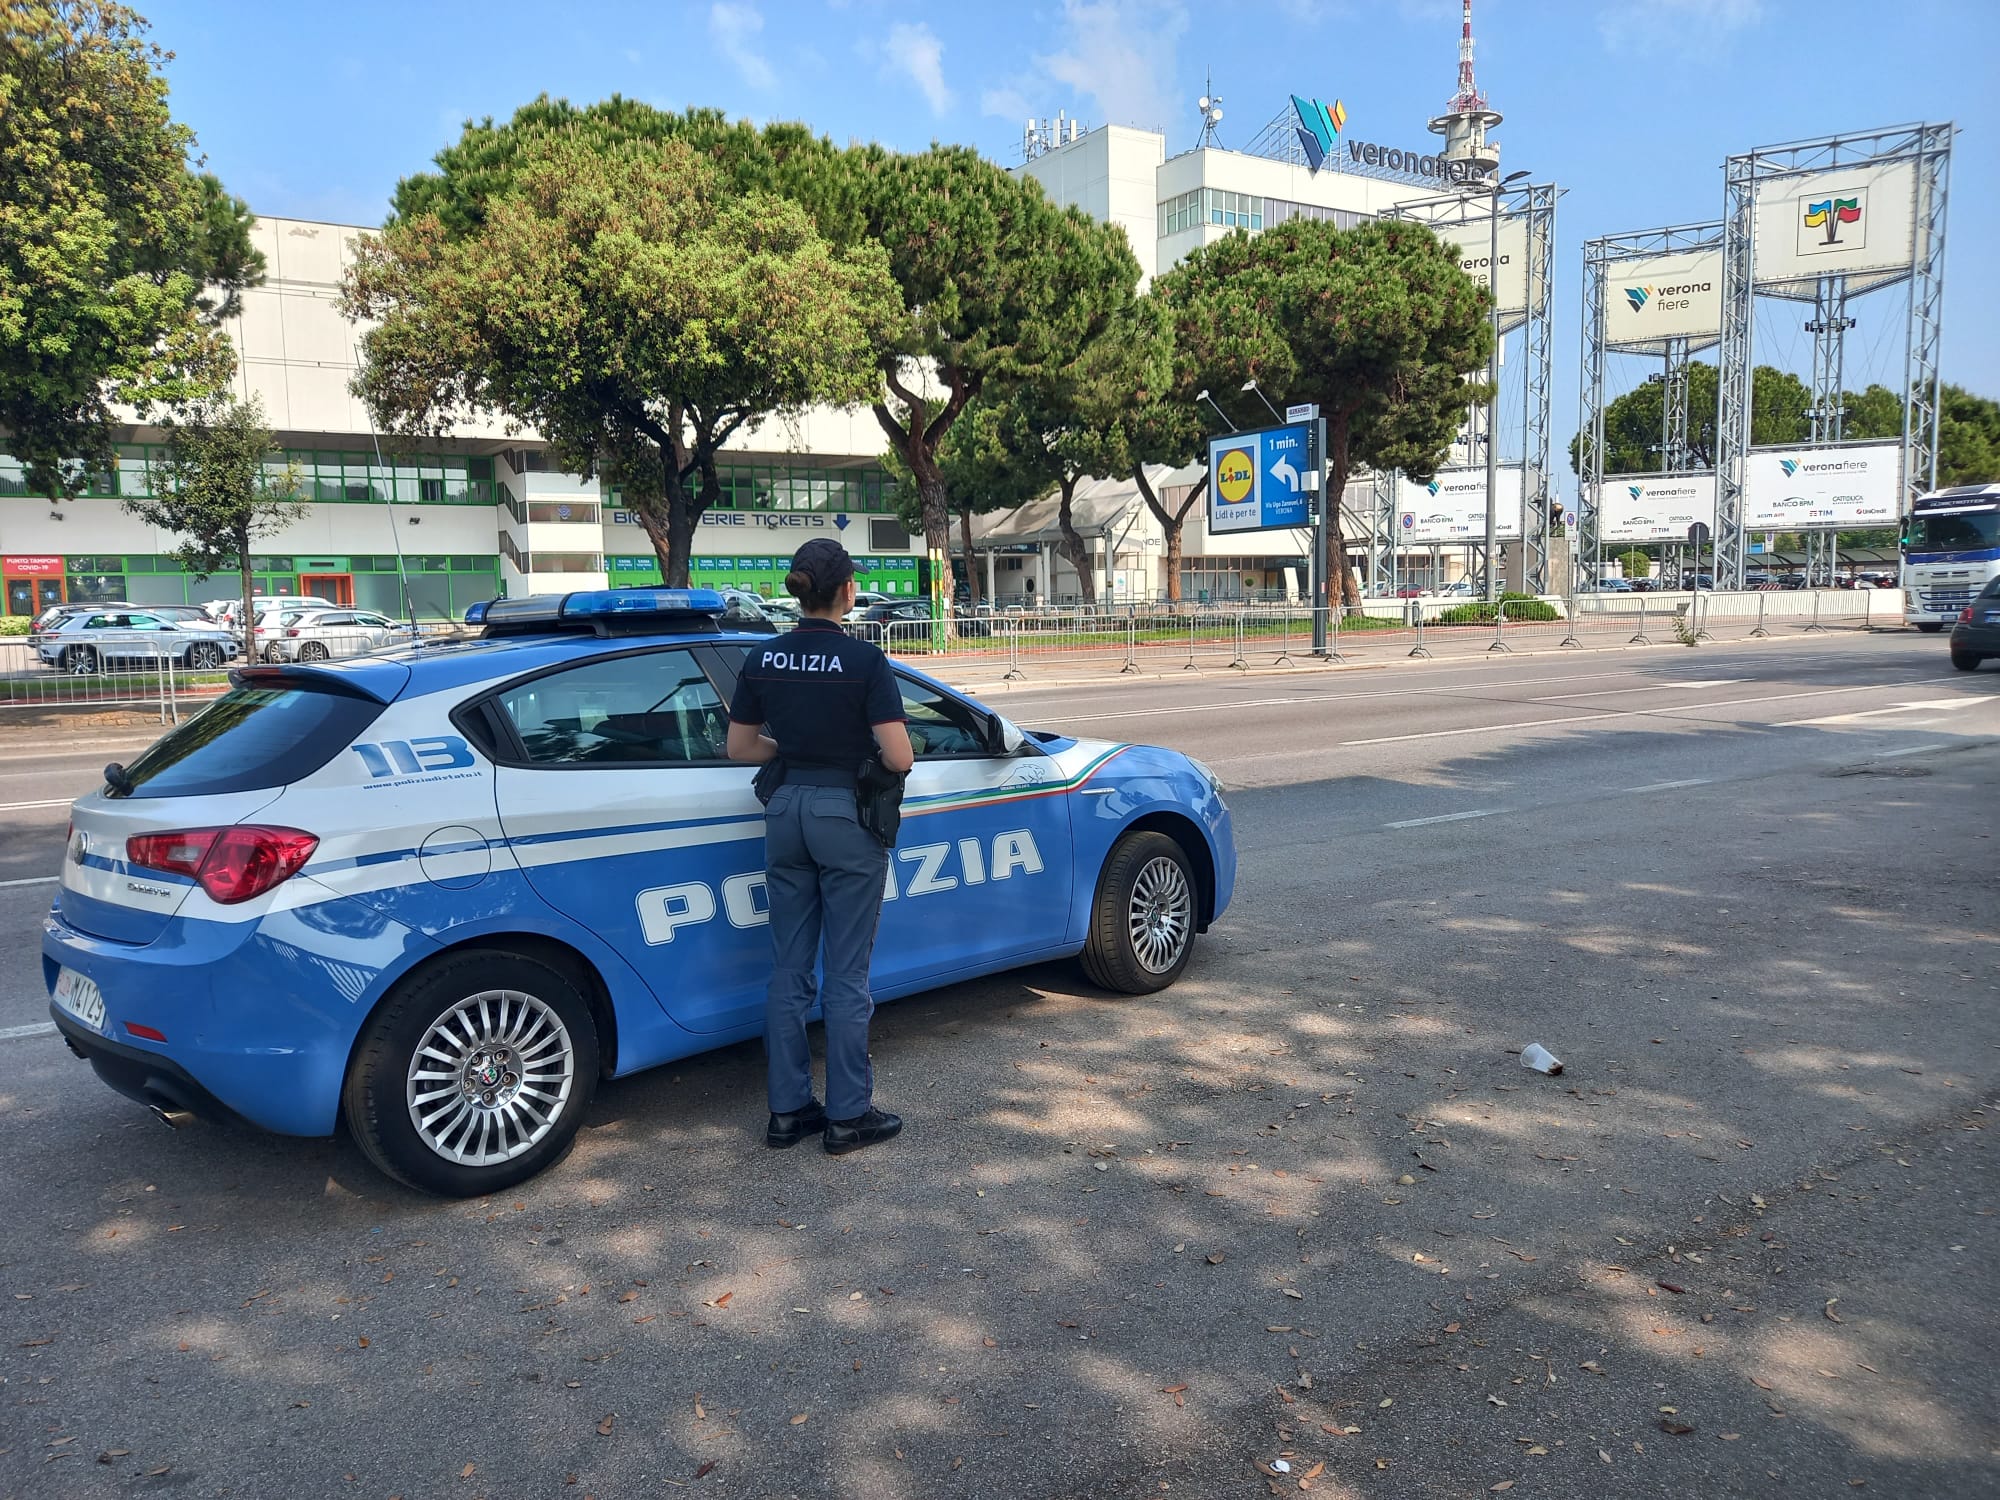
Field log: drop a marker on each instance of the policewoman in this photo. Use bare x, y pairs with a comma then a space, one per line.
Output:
820, 703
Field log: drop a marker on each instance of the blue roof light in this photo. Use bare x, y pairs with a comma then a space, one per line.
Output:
475, 614
585, 606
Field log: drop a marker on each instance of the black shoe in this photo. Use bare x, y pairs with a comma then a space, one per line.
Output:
843, 1136
789, 1129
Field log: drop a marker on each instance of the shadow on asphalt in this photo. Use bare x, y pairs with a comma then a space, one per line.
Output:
1128, 1242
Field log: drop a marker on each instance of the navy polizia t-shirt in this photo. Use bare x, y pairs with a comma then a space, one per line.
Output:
820, 692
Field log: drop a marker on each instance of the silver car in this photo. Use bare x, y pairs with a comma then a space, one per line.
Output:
85, 644
322, 634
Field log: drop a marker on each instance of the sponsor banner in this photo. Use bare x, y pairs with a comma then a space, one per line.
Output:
1474, 242
1664, 297
1836, 223
1451, 509
1810, 489
1258, 481
1654, 507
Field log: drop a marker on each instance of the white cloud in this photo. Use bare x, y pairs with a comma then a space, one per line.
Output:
734, 28
1121, 55
916, 52
1677, 25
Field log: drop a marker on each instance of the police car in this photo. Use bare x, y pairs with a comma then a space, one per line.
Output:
439, 892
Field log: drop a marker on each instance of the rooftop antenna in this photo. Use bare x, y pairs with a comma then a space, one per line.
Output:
1466, 119
1210, 105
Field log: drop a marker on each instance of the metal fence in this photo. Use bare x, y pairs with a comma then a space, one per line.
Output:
1162, 638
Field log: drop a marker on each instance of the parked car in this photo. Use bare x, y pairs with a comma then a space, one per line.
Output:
323, 634
437, 897
1614, 585
864, 601
1976, 636
906, 621
55, 614
85, 644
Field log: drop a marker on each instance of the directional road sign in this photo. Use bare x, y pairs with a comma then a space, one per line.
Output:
1259, 481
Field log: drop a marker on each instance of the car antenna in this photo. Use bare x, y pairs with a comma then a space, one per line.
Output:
389, 504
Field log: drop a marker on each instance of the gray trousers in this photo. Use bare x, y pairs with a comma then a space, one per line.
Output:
824, 874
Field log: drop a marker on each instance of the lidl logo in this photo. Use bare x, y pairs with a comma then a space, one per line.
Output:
1637, 295
1789, 465
1830, 213
1235, 476
1319, 126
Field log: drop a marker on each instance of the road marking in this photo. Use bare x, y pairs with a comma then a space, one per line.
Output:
1920, 705
31, 880
1668, 786
1665, 687
1487, 812
21, 1033
1906, 750
1605, 715
24, 806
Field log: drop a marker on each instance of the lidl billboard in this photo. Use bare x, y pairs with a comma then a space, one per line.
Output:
1261, 481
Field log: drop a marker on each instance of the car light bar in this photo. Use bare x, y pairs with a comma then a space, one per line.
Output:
587, 605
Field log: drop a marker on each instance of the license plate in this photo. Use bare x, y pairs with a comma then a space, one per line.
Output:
81, 997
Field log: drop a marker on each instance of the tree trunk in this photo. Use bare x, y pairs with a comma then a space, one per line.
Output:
1073, 546
248, 581
971, 563
1173, 530
1339, 574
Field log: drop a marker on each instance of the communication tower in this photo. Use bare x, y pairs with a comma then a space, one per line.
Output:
1466, 119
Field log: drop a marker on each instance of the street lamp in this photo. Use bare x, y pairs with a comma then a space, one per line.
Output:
1204, 396
1493, 379
1250, 387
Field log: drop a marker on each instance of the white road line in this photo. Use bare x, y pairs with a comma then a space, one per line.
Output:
1906, 750
1916, 706
1669, 786
24, 806
1605, 715
21, 1033
31, 880
1665, 687
1487, 812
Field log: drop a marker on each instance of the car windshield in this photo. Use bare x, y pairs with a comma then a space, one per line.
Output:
1964, 532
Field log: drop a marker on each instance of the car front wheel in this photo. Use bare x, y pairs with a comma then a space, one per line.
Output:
1930, 627
473, 1076
1966, 661
80, 661
204, 657
1142, 922
313, 651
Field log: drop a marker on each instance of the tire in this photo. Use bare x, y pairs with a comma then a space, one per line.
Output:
313, 651
204, 656
81, 661
1930, 627
1143, 918
502, 997
1966, 661
274, 653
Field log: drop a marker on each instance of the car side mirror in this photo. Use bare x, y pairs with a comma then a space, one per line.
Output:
1002, 738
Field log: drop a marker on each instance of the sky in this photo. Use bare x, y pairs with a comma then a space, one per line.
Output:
1631, 106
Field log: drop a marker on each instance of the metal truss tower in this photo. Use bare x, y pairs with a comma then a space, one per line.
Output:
1601, 260
1534, 207
1928, 149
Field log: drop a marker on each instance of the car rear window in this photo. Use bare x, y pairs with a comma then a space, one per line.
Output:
252, 738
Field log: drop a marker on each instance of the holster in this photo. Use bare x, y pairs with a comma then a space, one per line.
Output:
770, 776
878, 799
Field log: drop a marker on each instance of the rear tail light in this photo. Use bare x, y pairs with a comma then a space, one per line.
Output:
230, 864
1965, 615
293, 631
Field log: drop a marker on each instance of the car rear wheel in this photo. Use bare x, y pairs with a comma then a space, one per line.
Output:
204, 656
474, 1076
313, 651
1966, 661
1930, 627
81, 661
274, 652
1142, 922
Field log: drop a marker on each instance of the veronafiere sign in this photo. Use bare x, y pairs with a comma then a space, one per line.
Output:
1808, 489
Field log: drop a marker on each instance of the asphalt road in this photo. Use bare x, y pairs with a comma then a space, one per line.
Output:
1307, 1207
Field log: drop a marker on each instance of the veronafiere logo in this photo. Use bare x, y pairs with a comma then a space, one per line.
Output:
1789, 465
1636, 491
1432, 486
1637, 295
1319, 127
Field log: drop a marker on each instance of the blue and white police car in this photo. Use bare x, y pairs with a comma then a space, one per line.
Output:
438, 892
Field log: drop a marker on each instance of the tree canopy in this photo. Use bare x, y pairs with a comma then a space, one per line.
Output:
623, 298
115, 257
222, 486
1376, 324
999, 289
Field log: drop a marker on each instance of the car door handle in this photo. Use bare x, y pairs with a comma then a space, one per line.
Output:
1097, 791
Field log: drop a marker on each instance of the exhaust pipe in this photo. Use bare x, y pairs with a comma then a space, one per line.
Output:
173, 1119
